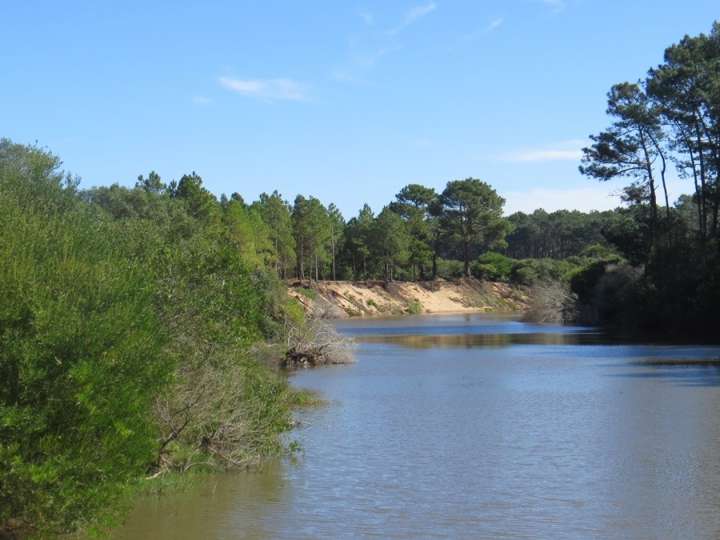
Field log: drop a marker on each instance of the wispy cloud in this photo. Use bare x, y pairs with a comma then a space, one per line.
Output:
491, 26
201, 100
361, 63
555, 5
412, 15
494, 24
563, 151
269, 89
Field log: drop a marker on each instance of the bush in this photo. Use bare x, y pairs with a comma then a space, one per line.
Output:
493, 266
310, 294
127, 330
450, 269
415, 307
81, 352
533, 271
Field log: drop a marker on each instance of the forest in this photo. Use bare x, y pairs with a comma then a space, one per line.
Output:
141, 327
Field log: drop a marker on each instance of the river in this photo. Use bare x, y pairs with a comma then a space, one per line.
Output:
476, 427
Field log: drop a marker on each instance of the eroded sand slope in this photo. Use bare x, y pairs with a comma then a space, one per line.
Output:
341, 299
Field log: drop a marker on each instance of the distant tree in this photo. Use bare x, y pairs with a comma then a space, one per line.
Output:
312, 232
414, 203
152, 184
277, 215
357, 241
200, 203
390, 242
336, 222
472, 214
249, 234
557, 235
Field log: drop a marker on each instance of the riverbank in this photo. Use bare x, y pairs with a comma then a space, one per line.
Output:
345, 299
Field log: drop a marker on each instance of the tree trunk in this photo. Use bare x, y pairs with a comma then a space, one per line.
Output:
703, 183
333, 259
301, 260
651, 183
662, 173
466, 257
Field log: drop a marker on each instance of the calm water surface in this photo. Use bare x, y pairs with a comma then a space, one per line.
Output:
471, 427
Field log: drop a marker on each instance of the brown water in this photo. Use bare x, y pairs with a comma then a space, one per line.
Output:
469, 427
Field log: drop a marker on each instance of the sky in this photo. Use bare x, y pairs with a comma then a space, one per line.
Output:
347, 101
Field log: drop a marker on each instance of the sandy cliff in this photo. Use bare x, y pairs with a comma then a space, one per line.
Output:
342, 299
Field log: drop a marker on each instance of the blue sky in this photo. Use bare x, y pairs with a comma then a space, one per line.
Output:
348, 101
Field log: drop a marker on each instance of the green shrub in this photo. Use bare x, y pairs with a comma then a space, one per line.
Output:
493, 266
598, 251
415, 307
450, 269
126, 330
81, 352
308, 293
535, 271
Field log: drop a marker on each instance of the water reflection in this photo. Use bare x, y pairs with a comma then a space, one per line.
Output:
424, 341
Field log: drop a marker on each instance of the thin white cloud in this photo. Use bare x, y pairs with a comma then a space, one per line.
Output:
269, 89
201, 100
555, 5
563, 151
360, 64
494, 24
490, 27
412, 15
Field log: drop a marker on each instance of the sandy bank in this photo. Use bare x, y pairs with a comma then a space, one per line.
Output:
342, 299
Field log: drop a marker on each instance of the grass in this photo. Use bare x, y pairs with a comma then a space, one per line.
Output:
312, 294
302, 398
415, 307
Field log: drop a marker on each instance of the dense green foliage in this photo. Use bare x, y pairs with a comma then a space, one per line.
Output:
125, 330
80, 350
672, 118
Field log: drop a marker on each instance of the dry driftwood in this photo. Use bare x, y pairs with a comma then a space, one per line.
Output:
316, 343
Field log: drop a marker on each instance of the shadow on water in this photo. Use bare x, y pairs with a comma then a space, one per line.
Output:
701, 372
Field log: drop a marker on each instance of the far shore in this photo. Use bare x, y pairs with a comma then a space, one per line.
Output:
373, 299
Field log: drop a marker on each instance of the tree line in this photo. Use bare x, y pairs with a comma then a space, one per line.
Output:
421, 235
